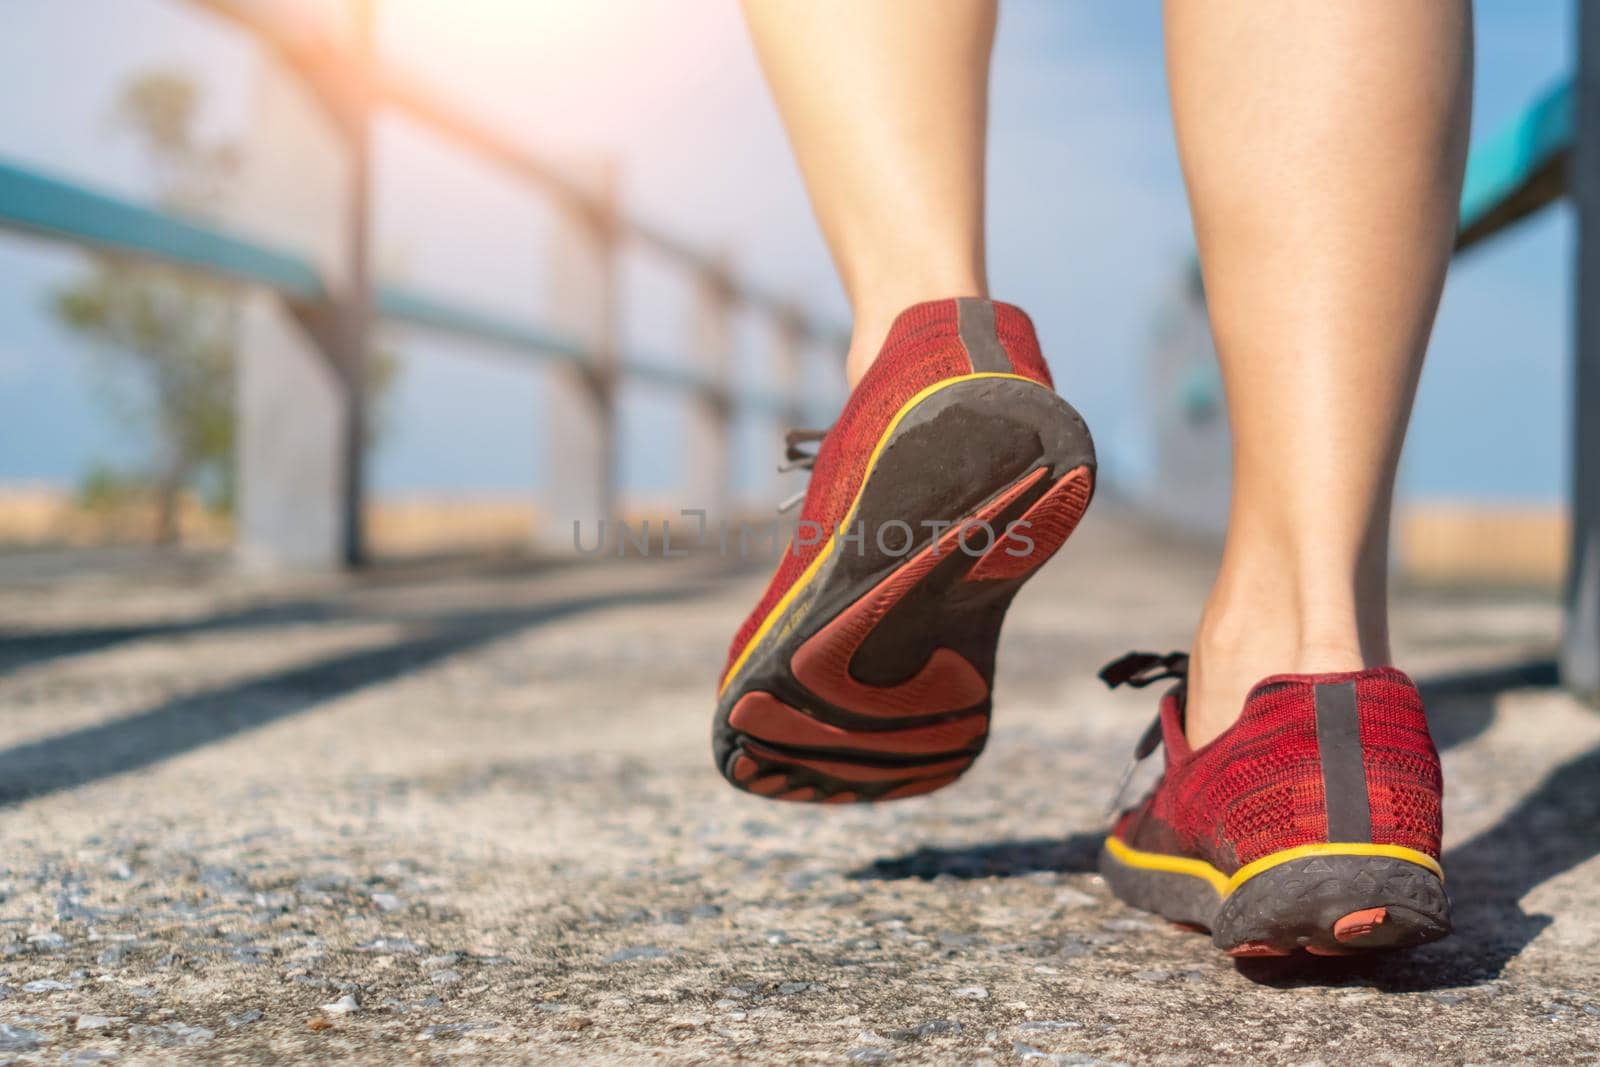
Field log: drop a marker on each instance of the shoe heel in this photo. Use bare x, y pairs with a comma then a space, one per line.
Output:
1334, 905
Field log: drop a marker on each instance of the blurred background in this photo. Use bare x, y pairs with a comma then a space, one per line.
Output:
556, 186
322, 321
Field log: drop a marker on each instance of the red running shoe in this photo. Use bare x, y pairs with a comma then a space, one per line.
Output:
953, 473
1312, 823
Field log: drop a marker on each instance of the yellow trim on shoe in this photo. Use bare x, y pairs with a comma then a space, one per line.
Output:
1160, 861
1225, 885
827, 549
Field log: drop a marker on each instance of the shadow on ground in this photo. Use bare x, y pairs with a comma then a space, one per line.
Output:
1554, 828
177, 726
18, 650
1001, 859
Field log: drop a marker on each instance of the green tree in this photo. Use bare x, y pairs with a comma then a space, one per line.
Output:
175, 333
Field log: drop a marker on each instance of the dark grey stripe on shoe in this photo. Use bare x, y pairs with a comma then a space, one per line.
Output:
1344, 778
979, 337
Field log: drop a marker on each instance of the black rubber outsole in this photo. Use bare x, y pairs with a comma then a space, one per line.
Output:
959, 451
1298, 905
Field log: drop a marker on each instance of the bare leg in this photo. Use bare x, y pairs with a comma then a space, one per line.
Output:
886, 105
1323, 146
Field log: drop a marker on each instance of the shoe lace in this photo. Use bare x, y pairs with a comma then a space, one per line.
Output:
798, 458
1140, 669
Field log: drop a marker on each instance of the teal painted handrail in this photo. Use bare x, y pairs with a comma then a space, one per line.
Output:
55, 208
58, 209
1505, 163
397, 304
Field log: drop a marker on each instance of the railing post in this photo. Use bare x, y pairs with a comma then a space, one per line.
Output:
581, 490
708, 450
299, 425
354, 309
1580, 652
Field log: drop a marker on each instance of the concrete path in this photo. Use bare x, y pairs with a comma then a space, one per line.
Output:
423, 817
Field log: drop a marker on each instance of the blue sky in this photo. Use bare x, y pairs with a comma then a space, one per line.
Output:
1087, 215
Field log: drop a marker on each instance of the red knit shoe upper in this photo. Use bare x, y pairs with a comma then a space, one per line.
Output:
1260, 787
923, 348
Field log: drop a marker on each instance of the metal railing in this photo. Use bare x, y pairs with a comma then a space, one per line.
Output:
351, 85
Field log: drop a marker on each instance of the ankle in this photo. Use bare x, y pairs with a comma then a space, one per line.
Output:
865, 345
1234, 651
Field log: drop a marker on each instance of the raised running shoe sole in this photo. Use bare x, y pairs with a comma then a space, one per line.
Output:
871, 679
1328, 899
